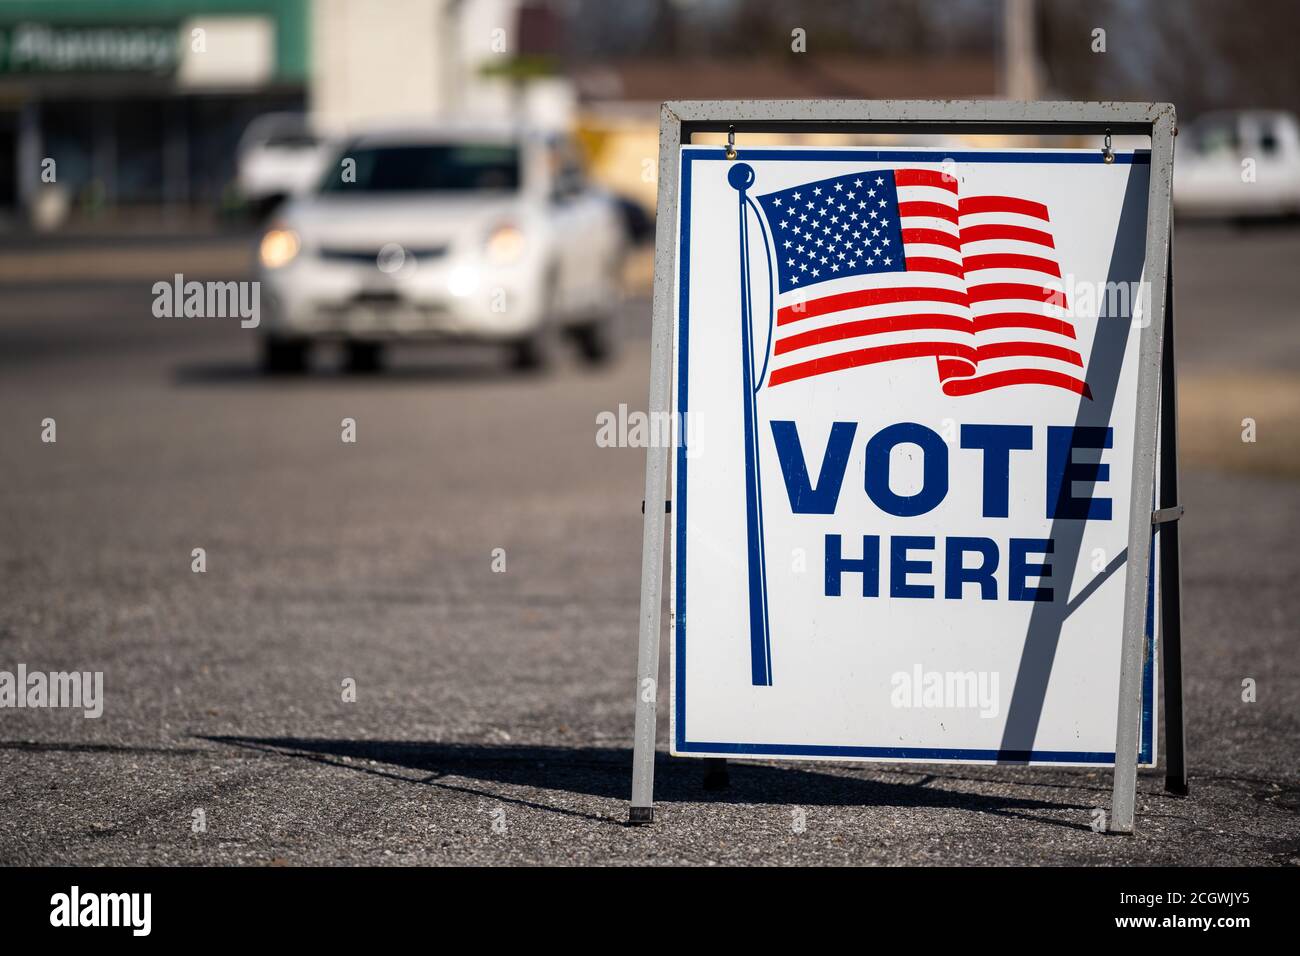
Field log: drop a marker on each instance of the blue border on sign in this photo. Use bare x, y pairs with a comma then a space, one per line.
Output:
681, 744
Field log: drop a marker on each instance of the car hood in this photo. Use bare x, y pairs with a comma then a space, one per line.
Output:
414, 221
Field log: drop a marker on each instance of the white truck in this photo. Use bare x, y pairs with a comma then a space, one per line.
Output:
1241, 164
280, 154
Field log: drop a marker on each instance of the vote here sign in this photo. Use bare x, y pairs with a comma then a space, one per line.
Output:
908, 385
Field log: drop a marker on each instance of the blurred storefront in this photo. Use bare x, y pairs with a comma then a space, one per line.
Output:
137, 103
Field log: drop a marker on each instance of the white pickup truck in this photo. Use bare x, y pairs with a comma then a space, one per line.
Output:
483, 233
1238, 165
280, 154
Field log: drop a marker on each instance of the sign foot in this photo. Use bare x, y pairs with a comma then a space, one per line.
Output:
716, 775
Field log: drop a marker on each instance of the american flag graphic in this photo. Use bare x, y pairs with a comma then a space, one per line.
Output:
894, 264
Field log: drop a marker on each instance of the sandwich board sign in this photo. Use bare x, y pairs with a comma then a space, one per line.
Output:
912, 492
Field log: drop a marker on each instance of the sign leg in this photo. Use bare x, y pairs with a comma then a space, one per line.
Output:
1155, 271
716, 775
1150, 358
1171, 651
656, 477
652, 567
1171, 606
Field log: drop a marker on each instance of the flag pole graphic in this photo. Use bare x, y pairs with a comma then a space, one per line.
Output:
741, 177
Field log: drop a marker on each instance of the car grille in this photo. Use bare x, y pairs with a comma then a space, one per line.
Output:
371, 256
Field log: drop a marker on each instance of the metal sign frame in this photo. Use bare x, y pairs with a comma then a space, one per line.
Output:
1155, 414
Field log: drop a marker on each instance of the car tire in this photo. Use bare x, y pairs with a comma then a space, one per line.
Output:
282, 356
600, 337
364, 358
600, 340
535, 352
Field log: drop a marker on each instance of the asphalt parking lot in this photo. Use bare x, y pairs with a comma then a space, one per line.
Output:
492, 720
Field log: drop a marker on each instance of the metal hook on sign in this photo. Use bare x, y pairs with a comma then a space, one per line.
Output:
731, 142
1107, 154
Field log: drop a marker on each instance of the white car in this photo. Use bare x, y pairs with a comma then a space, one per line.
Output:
1238, 164
280, 154
473, 233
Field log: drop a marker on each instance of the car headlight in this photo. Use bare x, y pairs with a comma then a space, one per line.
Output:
462, 281
278, 248
505, 245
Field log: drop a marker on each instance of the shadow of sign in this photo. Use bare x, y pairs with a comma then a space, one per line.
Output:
481, 769
1104, 365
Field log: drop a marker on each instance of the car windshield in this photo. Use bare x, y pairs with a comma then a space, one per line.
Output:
1217, 137
291, 139
425, 168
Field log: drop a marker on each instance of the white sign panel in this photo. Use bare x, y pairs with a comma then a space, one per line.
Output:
908, 383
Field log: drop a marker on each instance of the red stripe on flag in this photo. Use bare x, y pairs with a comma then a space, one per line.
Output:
1036, 349
953, 368
925, 177
1024, 207
935, 210
849, 330
1023, 320
1026, 376
929, 264
1016, 290
1007, 260
865, 297
933, 237
883, 353
1020, 233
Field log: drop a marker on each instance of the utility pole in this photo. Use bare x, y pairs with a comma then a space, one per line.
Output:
1020, 70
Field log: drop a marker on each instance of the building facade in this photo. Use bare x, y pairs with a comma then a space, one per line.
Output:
139, 102
117, 107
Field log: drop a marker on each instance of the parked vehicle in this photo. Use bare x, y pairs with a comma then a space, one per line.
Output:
1238, 164
279, 155
484, 233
